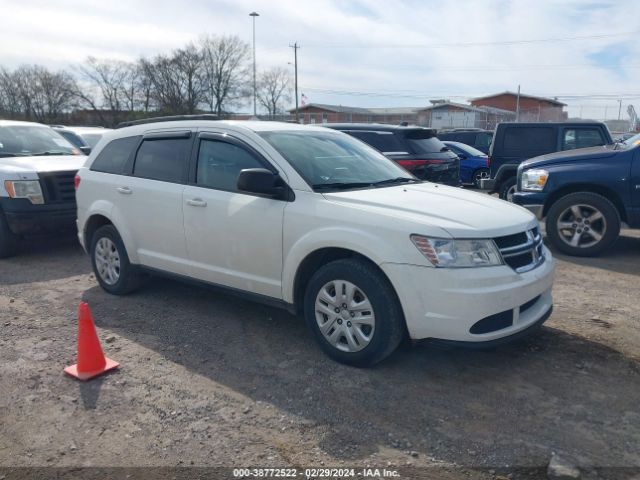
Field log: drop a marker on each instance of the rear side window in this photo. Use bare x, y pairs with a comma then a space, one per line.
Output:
162, 159
581, 138
220, 163
530, 140
113, 157
385, 142
424, 141
483, 140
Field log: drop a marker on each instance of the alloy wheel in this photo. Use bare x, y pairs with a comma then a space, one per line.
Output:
581, 226
107, 261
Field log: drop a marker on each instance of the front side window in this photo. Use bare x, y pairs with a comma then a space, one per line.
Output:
27, 140
220, 163
329, 160
162, 159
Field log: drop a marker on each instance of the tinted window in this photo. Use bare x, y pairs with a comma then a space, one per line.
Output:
424, 141
220, 163
530, 139
581, 138
114, 156
381, 141
162, 159
483, 140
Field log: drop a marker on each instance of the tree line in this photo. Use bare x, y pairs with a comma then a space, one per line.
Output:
212, 75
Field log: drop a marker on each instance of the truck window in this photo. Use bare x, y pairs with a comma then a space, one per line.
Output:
529, 140
581, 138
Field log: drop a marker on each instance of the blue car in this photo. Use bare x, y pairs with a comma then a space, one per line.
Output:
474, 164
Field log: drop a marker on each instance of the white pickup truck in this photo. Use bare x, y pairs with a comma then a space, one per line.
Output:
37, 170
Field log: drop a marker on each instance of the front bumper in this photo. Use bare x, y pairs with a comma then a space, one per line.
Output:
445, 304
24, 218
532, 201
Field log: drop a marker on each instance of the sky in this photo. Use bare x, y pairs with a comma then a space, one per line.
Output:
365, 53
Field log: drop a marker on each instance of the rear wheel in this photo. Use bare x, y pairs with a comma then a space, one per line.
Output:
583, 224
353, 312
110, 261
507, 189
479, 175
8, 240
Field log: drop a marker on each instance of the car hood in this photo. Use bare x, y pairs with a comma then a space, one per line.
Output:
571, 156
461, 213
47, 163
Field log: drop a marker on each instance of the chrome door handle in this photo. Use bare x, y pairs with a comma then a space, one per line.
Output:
124, 190
196, 202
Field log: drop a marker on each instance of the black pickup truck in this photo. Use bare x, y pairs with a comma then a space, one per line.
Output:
515, 142
584, 194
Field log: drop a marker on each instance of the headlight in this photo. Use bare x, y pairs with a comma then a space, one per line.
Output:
450, 253
25, 189
534, 179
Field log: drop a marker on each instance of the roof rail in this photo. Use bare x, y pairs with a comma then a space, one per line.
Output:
171, 118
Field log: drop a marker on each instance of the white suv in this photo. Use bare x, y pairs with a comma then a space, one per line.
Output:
317, 222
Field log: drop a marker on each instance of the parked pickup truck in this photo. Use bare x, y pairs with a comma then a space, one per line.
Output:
584, 194
515, 142
37, 169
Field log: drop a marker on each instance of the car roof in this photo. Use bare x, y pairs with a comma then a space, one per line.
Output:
237, 125
550, 124
15, 123
375, 126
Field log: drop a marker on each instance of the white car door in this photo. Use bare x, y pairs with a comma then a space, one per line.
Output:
150, 200
233, 238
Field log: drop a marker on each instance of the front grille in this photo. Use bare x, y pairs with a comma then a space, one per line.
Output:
522, 251
58, 187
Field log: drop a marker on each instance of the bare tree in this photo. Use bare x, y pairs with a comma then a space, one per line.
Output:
10, 99
176, 80
274, 88
225, 71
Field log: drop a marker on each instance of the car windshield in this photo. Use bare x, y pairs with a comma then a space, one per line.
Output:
631, 142
333, 160
27, 140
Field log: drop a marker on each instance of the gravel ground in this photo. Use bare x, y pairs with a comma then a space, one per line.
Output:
208, 380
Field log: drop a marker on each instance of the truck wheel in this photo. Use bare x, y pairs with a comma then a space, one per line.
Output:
507, 189
8, 239
110, 262
583, 224
478, 175
353, 312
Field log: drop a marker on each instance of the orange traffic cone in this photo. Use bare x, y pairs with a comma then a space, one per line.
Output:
91, 360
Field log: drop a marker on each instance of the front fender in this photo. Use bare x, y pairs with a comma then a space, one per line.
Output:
361, 242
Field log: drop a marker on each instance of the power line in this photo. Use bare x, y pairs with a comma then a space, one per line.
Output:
475, 44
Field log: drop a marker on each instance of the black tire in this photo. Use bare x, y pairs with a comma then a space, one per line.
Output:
505, 186
389, 327
478, 174
128, 279
8, 239
608, 228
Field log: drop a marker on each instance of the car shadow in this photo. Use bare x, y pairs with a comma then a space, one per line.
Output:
512, 405
622, 257
57, 256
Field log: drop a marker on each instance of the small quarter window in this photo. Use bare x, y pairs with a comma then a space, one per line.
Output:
113, 157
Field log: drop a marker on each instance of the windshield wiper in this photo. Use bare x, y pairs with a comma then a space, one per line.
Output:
391, 181
50, 152
340, 185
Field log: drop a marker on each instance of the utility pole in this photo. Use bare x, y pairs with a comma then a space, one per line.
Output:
518, 105
255, 109
619, 108
295, 47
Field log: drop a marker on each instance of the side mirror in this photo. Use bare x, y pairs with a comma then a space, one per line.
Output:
85, 150
261, 181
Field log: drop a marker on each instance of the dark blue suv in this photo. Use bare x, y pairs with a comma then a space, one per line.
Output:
584, 194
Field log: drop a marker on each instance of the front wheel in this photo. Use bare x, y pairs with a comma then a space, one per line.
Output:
507, 189
110, 261
8, 240
354, 313
583, 224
